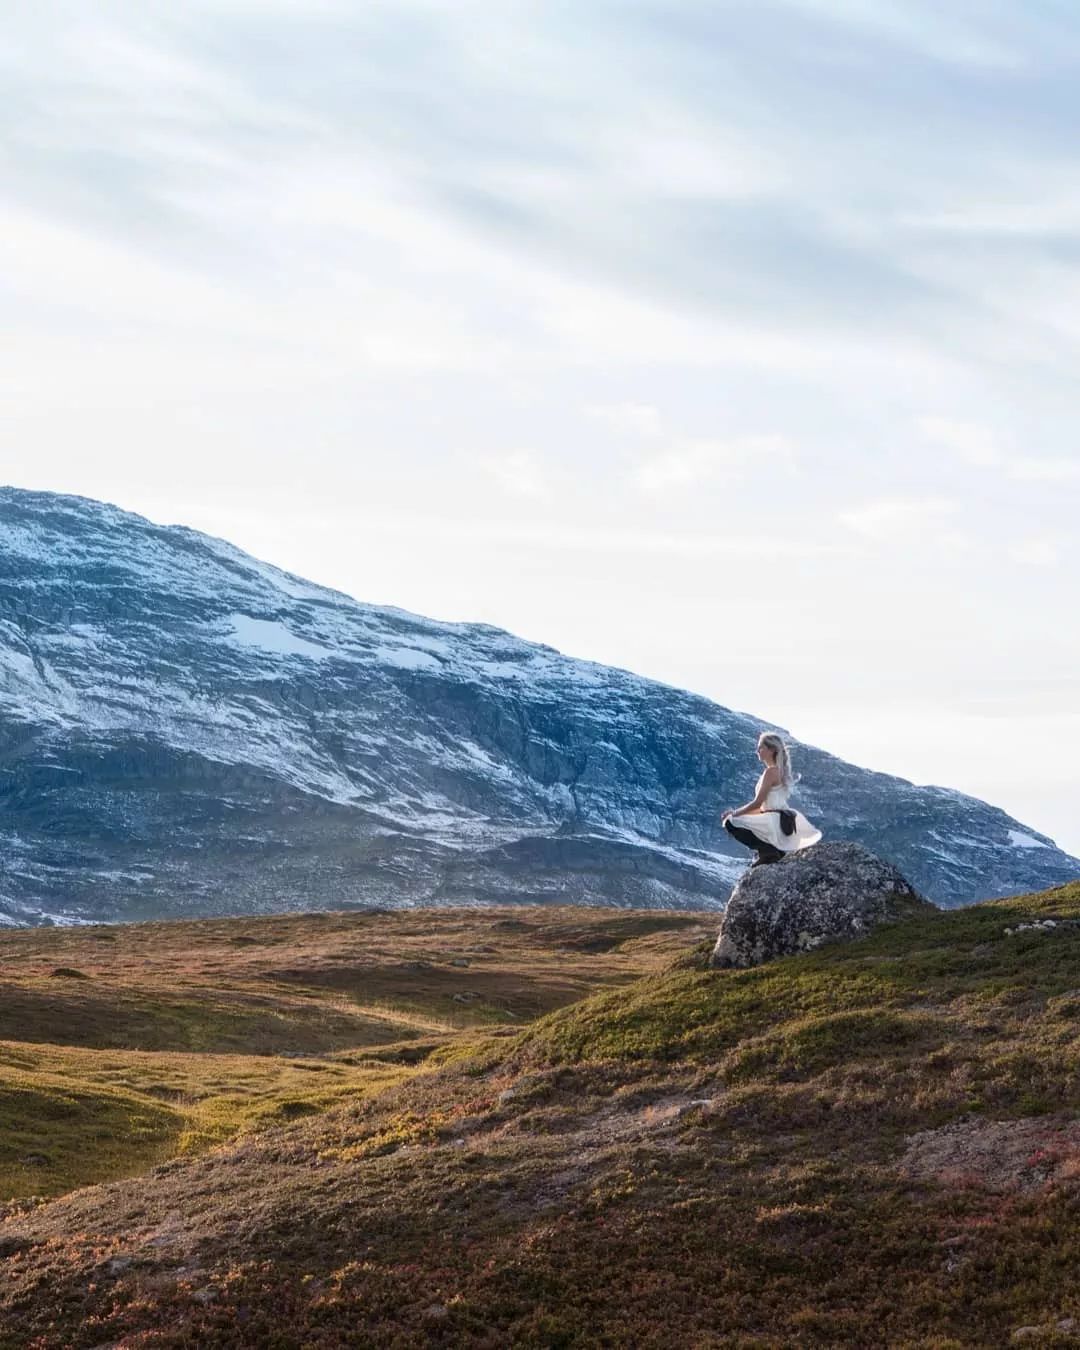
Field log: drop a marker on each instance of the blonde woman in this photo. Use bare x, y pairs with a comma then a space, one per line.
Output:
767, 824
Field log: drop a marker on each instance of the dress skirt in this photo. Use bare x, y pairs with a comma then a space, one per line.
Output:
765, 825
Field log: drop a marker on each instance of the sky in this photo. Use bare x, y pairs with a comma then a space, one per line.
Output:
732, 342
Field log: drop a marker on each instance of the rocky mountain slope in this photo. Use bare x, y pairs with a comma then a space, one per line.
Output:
187, 730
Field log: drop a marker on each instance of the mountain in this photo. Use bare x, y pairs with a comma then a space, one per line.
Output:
187, 730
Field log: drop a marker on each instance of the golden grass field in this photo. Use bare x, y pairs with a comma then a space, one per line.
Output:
124, 1046
314, 1144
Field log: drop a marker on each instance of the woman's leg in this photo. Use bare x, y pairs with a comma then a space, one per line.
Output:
765, 851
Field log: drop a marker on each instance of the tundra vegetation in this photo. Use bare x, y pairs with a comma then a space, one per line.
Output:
330, 1131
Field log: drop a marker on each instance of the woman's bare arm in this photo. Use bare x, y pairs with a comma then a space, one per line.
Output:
769, 779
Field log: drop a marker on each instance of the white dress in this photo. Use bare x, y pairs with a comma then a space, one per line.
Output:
766, 822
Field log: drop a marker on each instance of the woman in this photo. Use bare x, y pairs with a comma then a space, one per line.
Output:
767, 824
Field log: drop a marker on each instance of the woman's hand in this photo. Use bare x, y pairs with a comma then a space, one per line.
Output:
724, 817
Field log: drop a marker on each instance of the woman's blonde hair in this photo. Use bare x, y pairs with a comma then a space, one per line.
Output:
773, 741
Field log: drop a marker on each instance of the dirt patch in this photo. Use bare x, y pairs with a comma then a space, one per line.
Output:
999, 1155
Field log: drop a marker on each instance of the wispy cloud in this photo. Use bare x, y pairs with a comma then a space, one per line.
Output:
636, 419
982, 446
1038, 550
521, 473
733, 545
889, 517
685, 462
973, 443
1046, 470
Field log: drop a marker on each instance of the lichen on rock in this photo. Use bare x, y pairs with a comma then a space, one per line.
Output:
830, 891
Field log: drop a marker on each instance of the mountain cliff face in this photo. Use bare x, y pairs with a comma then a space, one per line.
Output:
187, 730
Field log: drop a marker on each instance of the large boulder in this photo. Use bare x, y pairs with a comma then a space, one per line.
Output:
821, 894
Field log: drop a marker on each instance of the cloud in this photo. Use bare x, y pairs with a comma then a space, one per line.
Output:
972, 39
980, 446
637, 419
520, 473
550, 537
1046, 470
689, 461
974, 444
702, 191
887, 518
1037, 551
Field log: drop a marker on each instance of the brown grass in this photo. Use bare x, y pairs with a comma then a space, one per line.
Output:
747, 1159
128, 1045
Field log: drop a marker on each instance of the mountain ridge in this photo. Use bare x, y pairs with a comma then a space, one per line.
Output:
186, 729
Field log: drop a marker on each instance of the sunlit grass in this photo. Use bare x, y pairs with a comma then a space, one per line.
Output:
682, 1157
129, 1045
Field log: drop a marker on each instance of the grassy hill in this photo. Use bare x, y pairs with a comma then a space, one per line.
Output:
124, 1046
603, 1143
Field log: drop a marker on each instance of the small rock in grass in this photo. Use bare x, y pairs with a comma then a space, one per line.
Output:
707, 1105
1047, 1331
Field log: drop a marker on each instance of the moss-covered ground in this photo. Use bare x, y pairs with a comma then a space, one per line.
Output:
876, 1144
123, 1046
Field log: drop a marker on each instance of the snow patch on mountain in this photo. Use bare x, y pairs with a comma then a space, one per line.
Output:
406, 658
270, 635
1021, 839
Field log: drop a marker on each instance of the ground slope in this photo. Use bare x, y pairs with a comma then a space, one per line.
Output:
124, 1046
874, 1144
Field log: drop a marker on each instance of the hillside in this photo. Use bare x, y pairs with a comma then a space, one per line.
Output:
185, 730
874, 1144
123, 1046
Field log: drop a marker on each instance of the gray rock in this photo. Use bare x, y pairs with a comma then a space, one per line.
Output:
830, 891
706, 1105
